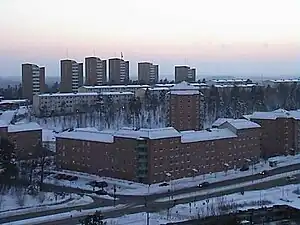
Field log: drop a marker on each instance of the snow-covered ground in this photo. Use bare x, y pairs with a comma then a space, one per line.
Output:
133, 188
17, 201
215, 206
284, 195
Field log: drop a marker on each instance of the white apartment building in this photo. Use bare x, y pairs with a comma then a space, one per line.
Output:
111, 88
62, 103
68, 103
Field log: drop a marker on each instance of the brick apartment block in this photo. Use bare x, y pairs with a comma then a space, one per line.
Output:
280, 131
147, 155
25, 137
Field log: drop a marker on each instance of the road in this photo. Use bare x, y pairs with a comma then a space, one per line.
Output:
140, 200
153, 206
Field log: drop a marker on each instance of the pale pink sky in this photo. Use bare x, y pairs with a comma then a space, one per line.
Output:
249, 36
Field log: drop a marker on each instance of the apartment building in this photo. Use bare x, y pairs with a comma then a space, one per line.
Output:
95, 71
112, 88
118, 71
280, 131
25, 137
69, 103
185, 107
62, 103
148, 73
33, 80
150, 155
71, 74
185, 73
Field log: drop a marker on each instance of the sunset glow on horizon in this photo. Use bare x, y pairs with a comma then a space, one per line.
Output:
163, 31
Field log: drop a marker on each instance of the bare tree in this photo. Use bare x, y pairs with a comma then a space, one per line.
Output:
20, 196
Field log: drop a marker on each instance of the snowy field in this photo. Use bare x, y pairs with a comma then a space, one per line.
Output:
18, 202
285, 195
132, 188
215, 206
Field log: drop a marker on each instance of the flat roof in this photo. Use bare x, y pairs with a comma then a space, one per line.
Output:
117, 93
273, 115
88, 136
117, 86
24, 127
69, 94
188, 92
206, 135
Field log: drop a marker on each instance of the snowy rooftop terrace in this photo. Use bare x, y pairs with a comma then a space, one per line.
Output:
107, 136
279, 113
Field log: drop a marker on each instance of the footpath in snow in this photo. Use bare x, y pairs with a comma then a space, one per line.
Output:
124, 187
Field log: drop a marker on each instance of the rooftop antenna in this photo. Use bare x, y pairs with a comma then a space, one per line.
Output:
67, 53
94, 52
121, 55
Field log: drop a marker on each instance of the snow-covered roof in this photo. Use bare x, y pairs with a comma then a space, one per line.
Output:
220, 121
7, 116
184, 86
157, 133
117, 93
24, 127
87, 129
243, 124
279, 113
205, 135
48, 135
117, 86
3, 124
285, 80
69, 94
236, 123
13, 101
88, 136
191, 92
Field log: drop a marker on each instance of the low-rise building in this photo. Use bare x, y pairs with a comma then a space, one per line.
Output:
25, 137
156, 155
112, 88
69, 103
62, 103
280, 131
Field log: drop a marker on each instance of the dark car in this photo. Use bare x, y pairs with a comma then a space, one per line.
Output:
204, 184
73, 178
265, 172
101, 192
164, 184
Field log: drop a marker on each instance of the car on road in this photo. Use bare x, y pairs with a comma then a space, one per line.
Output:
204, 184
291, 178
264, 172
101, 192
164, 184
244, 168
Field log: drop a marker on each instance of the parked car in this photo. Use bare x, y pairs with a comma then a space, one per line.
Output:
164, 184
204, 184
101, 192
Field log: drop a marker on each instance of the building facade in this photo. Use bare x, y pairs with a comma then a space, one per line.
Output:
185, 73
25, 137
148, 73
150, 155
118, 71
71, 74
62, 103
33, 80
280, 131
185, 107
95, 71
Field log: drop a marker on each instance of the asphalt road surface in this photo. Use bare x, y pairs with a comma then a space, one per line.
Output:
152, 206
